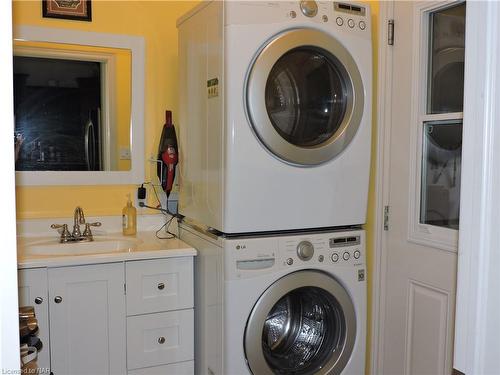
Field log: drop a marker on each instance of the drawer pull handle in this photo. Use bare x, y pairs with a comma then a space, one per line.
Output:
58, 299
38, 300
161, 340
161, 286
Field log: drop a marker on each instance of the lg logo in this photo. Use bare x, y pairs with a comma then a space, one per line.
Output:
241, 247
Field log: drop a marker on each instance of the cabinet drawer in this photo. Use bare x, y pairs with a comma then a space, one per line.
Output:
183, 368
160, 339
159, 285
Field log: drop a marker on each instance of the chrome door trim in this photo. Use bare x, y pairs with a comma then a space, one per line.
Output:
256, 106
299, 279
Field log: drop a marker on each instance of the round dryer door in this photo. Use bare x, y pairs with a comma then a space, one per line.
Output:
304, 323
305, 97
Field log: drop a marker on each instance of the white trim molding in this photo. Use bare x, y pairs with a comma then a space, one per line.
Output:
384, 97
9, 317
478, 301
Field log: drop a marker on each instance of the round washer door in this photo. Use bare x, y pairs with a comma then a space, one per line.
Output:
304, 323
305, 97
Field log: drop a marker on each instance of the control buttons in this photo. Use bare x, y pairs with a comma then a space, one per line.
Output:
305, 250
350, 23
340, 21
346, 255
292, 14
289, 261
357, 254
335, 257
321, 258
325, 18
309, 8
362, 25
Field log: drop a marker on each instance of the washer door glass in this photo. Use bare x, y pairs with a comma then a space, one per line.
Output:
306, 96
302, 324
302, 330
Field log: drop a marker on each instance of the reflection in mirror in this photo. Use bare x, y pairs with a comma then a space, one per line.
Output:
72, 107
79, 106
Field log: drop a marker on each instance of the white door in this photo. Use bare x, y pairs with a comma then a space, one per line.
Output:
424, 188
33, 291
87, 319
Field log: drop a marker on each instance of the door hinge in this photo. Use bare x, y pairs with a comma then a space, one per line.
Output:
386, 217
390, 32
125, 289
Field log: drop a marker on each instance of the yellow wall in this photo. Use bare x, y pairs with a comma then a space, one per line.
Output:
155, 21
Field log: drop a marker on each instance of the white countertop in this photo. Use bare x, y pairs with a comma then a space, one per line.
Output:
148, 247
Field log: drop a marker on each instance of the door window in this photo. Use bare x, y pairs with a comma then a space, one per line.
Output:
441, 125
306, 96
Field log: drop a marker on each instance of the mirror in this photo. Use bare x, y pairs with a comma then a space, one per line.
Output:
79, 107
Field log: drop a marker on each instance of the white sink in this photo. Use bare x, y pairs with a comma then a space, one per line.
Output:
100, 245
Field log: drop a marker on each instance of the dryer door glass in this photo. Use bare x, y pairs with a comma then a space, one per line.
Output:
306, 96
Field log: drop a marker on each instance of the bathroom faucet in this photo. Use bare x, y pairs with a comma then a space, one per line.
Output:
79, 218
76, 234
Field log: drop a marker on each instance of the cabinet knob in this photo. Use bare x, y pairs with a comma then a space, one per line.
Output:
58, 299
161, 340
38, 300
161, 286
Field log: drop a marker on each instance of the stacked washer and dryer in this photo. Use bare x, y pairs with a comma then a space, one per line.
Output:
275, 121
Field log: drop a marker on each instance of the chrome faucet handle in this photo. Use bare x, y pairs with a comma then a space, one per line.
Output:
65, 235
87, 233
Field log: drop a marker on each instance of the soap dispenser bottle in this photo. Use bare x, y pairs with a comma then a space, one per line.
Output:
129, 219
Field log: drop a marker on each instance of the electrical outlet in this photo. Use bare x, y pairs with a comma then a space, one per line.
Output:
142, 200
125, 153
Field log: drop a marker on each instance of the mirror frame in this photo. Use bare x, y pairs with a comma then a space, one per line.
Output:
88, 38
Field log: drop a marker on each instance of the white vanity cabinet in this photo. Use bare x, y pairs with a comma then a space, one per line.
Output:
130, 317
160, 316
85, 333
33, 291
87, 319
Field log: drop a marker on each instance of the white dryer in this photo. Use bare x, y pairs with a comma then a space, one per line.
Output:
275, 114
289, 304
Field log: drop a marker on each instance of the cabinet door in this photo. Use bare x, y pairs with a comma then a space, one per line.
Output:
87, 319
33, 291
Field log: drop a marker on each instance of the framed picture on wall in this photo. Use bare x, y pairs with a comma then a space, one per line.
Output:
79, 10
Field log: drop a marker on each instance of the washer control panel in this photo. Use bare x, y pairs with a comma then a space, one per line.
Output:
251, 256
343, 248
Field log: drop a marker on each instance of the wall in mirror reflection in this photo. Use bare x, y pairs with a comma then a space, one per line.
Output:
72, 107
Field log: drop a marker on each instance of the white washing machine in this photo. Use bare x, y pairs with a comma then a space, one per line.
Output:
289, 304
275, 114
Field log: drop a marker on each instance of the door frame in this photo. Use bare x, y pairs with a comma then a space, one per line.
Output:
478, 303
9, 319
383, 133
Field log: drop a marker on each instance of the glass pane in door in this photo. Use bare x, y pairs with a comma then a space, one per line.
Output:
306, 96
441, 170
446, 60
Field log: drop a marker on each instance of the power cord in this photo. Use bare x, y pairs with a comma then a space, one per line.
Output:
165, 212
